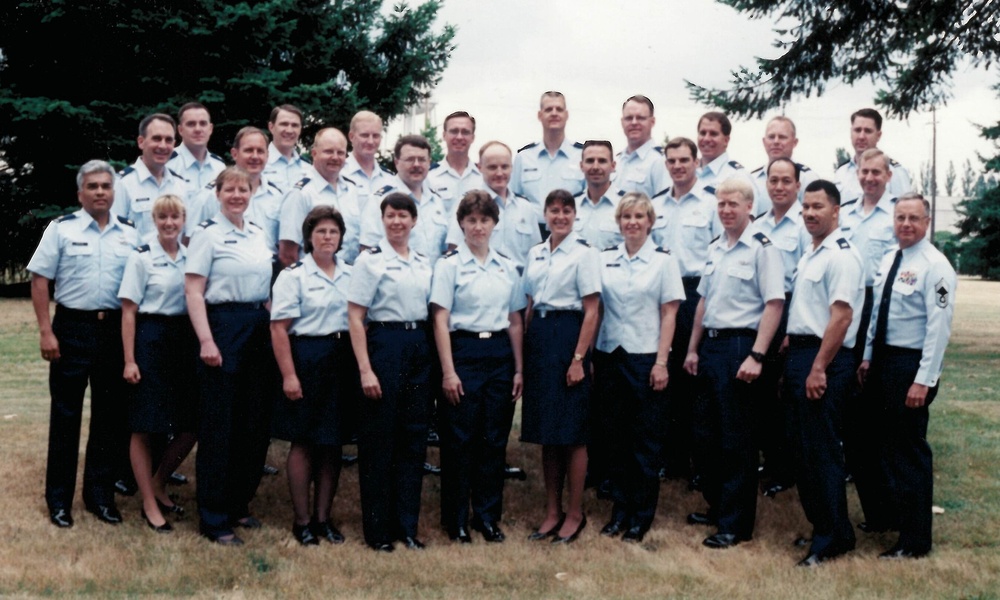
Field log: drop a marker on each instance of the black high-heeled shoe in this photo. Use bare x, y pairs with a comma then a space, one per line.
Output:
538, 535
165, 528
304, 535
175, 509
569, 539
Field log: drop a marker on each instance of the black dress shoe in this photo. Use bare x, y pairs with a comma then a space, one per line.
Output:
248, 522
177, 479
899, 553
811, 560
460, 535
348, 459
518, 473
615, 526
165, 528
304, 535
491, 531
126, 488
269, 470
868, 527
106, 512
174, 509
413, 543
328, 531
430, 469
776, 488
60, 517
697, 518
538, 534
635, 534
381, 547
723, 540
225, 539
569, 539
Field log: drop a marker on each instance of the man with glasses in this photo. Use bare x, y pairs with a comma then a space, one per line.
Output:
640, 165
457, 174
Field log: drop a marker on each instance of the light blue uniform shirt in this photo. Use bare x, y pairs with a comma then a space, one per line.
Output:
833, 272
921, 308
198, 174
136, 190
391, 287
478, 295
450, 186
846, 179
686, 226
312, 191
237, 264
762, 200
264, 208
871, 234
789, 235
641, 171
428, 235
86, 263
515, 233
367, 186
739, 281
536, 173
596, 222
559, 279
719, 170
633, 290
316, 303
283, 172
155, 281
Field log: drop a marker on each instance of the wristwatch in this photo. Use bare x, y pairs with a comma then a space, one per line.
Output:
577, 357
757, 356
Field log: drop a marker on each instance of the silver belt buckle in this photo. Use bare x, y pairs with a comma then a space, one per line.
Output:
713, 333
542, 312
485, 335
408, 325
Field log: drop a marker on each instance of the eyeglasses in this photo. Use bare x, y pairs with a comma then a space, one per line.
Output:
465, 132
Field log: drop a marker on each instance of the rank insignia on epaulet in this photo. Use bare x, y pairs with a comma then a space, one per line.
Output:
348, 180
843, 243
662, 250
177, 175
384, 190
294, 266
660, 193
125, 221
757, 170
893, 162
523, 148
844, 163
715, 239
206, 223
710, 189
433, 166
610, 249
803, 168
621, 193
274, 185
658, 149
142, 248
502, 255
301, 183
209, 186
65, 218
848, 203
450, 253
216, 157
173, 155
578, 145
582, 241
126, 171
760, 215
735, 164
760, 237
374, 250
893, 201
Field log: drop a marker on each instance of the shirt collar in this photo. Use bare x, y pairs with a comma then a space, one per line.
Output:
717, 163
641, 151
274, 155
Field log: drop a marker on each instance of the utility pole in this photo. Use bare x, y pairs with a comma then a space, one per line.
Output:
933, 170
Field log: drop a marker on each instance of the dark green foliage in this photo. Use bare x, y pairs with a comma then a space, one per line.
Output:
980, 225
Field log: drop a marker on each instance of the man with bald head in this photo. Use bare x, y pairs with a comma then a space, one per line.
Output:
779, 142
323, 184
362, 167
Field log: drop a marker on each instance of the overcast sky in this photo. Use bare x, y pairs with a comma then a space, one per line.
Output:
598, 53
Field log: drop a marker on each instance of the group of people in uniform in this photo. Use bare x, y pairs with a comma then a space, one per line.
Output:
662, 312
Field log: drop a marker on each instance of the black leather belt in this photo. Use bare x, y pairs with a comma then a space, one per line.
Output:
403, 325
88, 315
721, 334
482, 335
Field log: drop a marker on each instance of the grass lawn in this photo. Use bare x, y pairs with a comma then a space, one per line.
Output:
93, 559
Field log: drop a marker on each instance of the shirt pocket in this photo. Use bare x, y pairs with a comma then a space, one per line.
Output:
741, 272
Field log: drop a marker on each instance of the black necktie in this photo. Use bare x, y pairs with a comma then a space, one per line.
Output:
882, 323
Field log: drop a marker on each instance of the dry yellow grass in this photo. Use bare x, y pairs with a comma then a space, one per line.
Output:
94, 559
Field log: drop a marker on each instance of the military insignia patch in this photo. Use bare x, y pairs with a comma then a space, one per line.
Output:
907, 277
941, 290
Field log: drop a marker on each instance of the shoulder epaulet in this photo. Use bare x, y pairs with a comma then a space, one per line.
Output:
662, 249
275, 186
802, 167
894, 163
306, 159
206, 223
715, 239
450, 253
763, 239
126, 171
521, 197
843, 243
142, 248
848, 203
658, 149
523, 148
434, 165
735, 164
578, 145
301, 183
294, 266
125, 221
174, 155
216, 157
610, 248
760, 215
65, 218
349, 180
249, 222
893, 201
384, 190
758, 169
177, 175
502, 255
210, 185
621, 193
374, 250
583, 241
710, 189
419, 255
660, 193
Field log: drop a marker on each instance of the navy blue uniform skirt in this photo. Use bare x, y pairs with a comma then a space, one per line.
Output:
553, 413
328, 373
166, 398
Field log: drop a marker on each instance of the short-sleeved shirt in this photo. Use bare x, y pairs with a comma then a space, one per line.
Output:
632, 290
788, 234
871, 234
596, 222
367, 186
536, 173
316, 303
921, 307
155, 281
762, 200
846, 179
135, 191
478, 295
719, 170
832, 272
391, 288
686, 226
560, 279
641, 171
450, 186
428, 235
264, 208
312, 191
740, 280
198, 174
236, 263
86, 263
282, 171
515, 233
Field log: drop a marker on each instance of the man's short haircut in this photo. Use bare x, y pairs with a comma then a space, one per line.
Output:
784, 159
718, 117
868, 113
364, 116
323, 212
873, 153
168, 204
484, 147
249, 130
828, 187
559, 196
638, 201
600, 144
93, 166
784, 119
399, 201
144, 124
551, 94
639, 98
477, 202
460, 114
325, 132
910, 196
191, 106
736, 185
681, 142
233, 173
417, 141
287, 108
